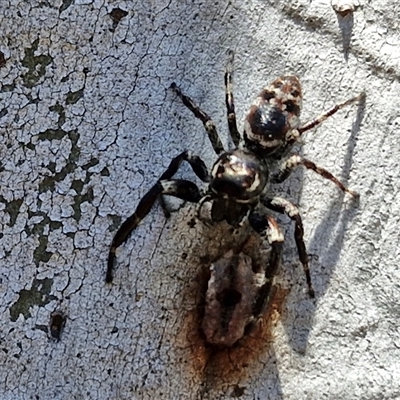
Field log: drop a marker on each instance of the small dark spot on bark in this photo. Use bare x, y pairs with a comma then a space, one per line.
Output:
238, 391
93, 161
73, 97
30, 146
192, 223
42, 328
105, 172
65, 4
2, 60
116, 15
115, 222
114, 330
8, 88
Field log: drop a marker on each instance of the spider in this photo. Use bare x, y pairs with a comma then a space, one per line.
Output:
239, 179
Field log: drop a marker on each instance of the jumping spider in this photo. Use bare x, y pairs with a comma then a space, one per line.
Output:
238, 181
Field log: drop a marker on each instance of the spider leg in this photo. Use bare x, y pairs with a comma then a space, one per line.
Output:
296, 133
198, 166
311, 124
295, 160
229, 101
284, 206
267, 226
208, 123
183, 189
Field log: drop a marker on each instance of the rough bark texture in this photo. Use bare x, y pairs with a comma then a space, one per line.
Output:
88, 124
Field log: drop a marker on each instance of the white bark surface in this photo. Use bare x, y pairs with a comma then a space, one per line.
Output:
88, 124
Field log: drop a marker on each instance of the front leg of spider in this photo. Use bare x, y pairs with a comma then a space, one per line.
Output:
208, 123
180, 188
229, 102
183, 189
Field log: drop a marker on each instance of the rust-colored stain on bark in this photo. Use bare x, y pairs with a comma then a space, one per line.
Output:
217, 367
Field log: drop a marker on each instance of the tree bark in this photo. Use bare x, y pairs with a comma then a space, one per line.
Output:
88, 124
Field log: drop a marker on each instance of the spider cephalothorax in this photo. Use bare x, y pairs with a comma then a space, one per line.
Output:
239, 179
238, 175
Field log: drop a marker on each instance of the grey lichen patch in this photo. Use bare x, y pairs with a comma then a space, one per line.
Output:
48, 183
59, 109
12, 208
39, 228
73, 97
80, 198
79, 187
40, 254
38, 295
51, 134
36, 65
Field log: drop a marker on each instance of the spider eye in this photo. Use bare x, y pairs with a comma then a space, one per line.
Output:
290, 106
295, 93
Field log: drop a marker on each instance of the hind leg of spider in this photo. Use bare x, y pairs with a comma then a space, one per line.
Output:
267, 226
229, 101
284, 206
183, 189
198, 167
295, 160
208, 123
